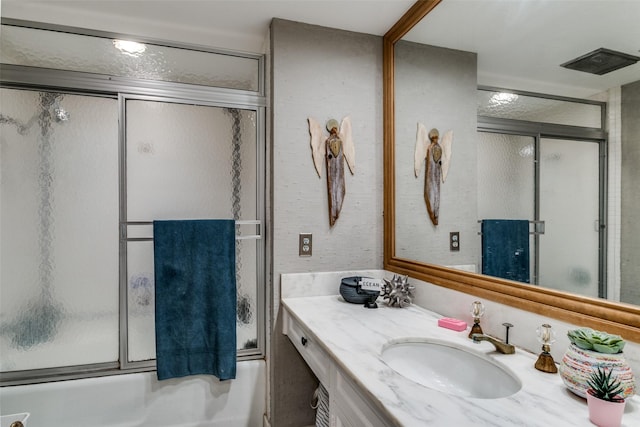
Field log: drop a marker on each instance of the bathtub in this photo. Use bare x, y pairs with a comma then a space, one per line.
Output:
140, 400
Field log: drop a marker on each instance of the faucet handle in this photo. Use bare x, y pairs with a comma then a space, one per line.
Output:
507, 325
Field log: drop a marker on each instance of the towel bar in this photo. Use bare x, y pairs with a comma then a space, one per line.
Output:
537, 225
123, 230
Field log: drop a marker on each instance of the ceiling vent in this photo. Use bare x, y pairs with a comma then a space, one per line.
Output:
601, 61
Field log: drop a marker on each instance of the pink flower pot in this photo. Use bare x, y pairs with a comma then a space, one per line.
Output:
604, 413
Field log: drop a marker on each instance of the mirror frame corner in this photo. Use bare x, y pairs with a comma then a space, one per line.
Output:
616, 318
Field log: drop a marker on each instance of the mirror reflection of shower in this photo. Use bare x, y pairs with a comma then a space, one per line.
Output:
38, 320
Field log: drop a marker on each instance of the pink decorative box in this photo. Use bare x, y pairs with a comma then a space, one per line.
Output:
450, 323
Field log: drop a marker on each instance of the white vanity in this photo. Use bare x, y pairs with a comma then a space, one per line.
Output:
343, 343
350, 403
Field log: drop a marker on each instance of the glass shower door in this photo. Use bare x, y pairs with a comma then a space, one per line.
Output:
186, 161
506, 185
58, 230
556, 182
570, 207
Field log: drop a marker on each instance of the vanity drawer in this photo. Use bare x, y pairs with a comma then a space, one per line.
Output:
316, 357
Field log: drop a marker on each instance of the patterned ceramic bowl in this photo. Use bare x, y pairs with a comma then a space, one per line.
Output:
577, 365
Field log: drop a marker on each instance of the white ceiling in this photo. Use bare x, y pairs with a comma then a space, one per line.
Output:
520, 43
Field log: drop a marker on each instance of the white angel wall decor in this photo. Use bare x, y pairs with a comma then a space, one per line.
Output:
336, 148
438, 158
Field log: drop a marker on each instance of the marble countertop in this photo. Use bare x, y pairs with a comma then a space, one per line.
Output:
354, 337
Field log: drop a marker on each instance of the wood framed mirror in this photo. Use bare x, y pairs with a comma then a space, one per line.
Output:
613, 317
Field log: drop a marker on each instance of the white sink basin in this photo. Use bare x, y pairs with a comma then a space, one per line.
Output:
450, 368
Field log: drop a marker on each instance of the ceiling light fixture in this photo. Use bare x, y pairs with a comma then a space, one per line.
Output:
500, 98
130, 48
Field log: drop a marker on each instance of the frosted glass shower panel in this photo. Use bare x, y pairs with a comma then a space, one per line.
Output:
569, 204
140, 301
536, 109
189, 162
182, 162
58, 229
75, 52
506, 178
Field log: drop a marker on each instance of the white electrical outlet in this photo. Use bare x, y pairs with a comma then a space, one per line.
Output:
454, 241
305, 244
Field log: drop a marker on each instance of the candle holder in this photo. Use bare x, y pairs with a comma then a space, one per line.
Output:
546, 336
477, 310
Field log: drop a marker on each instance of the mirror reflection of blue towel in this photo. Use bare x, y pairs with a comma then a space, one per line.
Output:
195, 284
505, 249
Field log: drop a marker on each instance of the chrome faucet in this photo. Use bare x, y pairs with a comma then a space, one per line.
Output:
500, 346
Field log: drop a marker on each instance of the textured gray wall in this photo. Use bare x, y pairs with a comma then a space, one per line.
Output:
323, 73
630, 198
438, 88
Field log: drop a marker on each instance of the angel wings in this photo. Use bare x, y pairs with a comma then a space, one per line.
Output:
438, 159
336, 148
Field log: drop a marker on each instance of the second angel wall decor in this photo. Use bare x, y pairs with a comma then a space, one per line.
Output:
335, 149
438, 157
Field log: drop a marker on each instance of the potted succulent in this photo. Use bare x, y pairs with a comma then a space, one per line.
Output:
604, 398
601, 342
589, 350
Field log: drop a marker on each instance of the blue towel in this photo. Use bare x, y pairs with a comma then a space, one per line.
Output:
505, 249
195, 284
